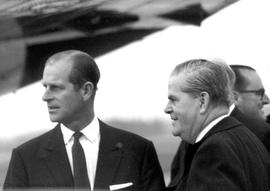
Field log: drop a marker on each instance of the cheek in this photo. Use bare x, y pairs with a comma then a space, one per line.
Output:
253, 103
68, 103
188, 119
181, 123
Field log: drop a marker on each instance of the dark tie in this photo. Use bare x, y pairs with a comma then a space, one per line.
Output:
79, 164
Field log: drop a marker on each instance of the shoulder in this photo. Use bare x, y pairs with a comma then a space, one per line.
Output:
131, 144
257, 126
237, 141
230, 135
121, 135
229, 130
35, 142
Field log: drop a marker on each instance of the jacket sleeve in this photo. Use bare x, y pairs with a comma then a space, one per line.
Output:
16, 176
152, 175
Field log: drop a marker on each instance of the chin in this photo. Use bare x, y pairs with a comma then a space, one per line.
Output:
262, 116
175, 133
54, 119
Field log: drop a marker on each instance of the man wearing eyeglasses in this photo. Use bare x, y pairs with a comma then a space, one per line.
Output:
250, 97
249, 92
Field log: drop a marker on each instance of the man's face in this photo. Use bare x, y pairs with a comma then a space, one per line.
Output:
63, 100
251, 103
184, 111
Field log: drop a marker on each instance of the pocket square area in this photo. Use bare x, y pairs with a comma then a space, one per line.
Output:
120, 186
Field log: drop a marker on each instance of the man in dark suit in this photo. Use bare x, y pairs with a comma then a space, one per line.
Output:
81, 151
246, 107
249, 92
220, 152
249, 99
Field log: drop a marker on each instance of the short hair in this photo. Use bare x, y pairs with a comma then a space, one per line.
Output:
84, 68
203, 75
231, 76
241, 81
229, 71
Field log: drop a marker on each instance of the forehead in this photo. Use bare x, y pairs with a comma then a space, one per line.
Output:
254, 80
176, 81
174, 86
59, 70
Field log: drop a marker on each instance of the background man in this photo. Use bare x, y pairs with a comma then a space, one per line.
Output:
249, 99
81, 151
221, 153
249, 92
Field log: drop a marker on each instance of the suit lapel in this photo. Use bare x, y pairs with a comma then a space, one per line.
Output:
54, 154
182, 166
110, 154
224, 124
188, 153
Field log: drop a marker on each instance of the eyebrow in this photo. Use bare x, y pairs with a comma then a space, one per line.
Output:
54, 83
172, 97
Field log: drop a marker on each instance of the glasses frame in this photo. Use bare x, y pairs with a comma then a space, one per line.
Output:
259, 92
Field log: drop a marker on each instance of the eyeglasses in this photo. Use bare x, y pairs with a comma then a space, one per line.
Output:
259, 92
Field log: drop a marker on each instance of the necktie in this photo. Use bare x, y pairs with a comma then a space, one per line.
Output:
79, 164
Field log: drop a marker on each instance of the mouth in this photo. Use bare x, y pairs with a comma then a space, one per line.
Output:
173, 118
52, 108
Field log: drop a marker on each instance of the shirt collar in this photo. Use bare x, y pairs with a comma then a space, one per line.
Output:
91, 131
231, 108
209, 127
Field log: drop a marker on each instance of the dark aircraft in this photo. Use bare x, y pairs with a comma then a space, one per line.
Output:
31, 30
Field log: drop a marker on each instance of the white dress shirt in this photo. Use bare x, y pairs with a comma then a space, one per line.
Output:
231, 109
209, 127
90, 143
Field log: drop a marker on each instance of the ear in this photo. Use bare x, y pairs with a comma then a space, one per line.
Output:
204, 100
87, 90
235, 96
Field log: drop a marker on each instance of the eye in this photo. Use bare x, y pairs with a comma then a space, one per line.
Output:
172, 99
55, 88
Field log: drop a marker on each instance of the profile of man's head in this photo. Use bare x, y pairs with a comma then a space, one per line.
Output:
196, 88
203, 75
249, 92
70, 79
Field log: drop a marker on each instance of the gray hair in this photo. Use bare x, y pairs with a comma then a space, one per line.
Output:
205, 76
231, 76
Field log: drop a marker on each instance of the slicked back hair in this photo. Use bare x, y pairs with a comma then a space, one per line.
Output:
201, 75
84, 68
241, 81
231, 76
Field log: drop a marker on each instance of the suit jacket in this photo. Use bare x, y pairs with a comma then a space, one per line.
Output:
229, 157
123, 158
260, 128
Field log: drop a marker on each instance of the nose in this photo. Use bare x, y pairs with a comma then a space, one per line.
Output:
168, 109
47, 95
265, 100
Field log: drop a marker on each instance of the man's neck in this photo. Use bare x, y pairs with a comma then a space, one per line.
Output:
79, 124
214, 114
